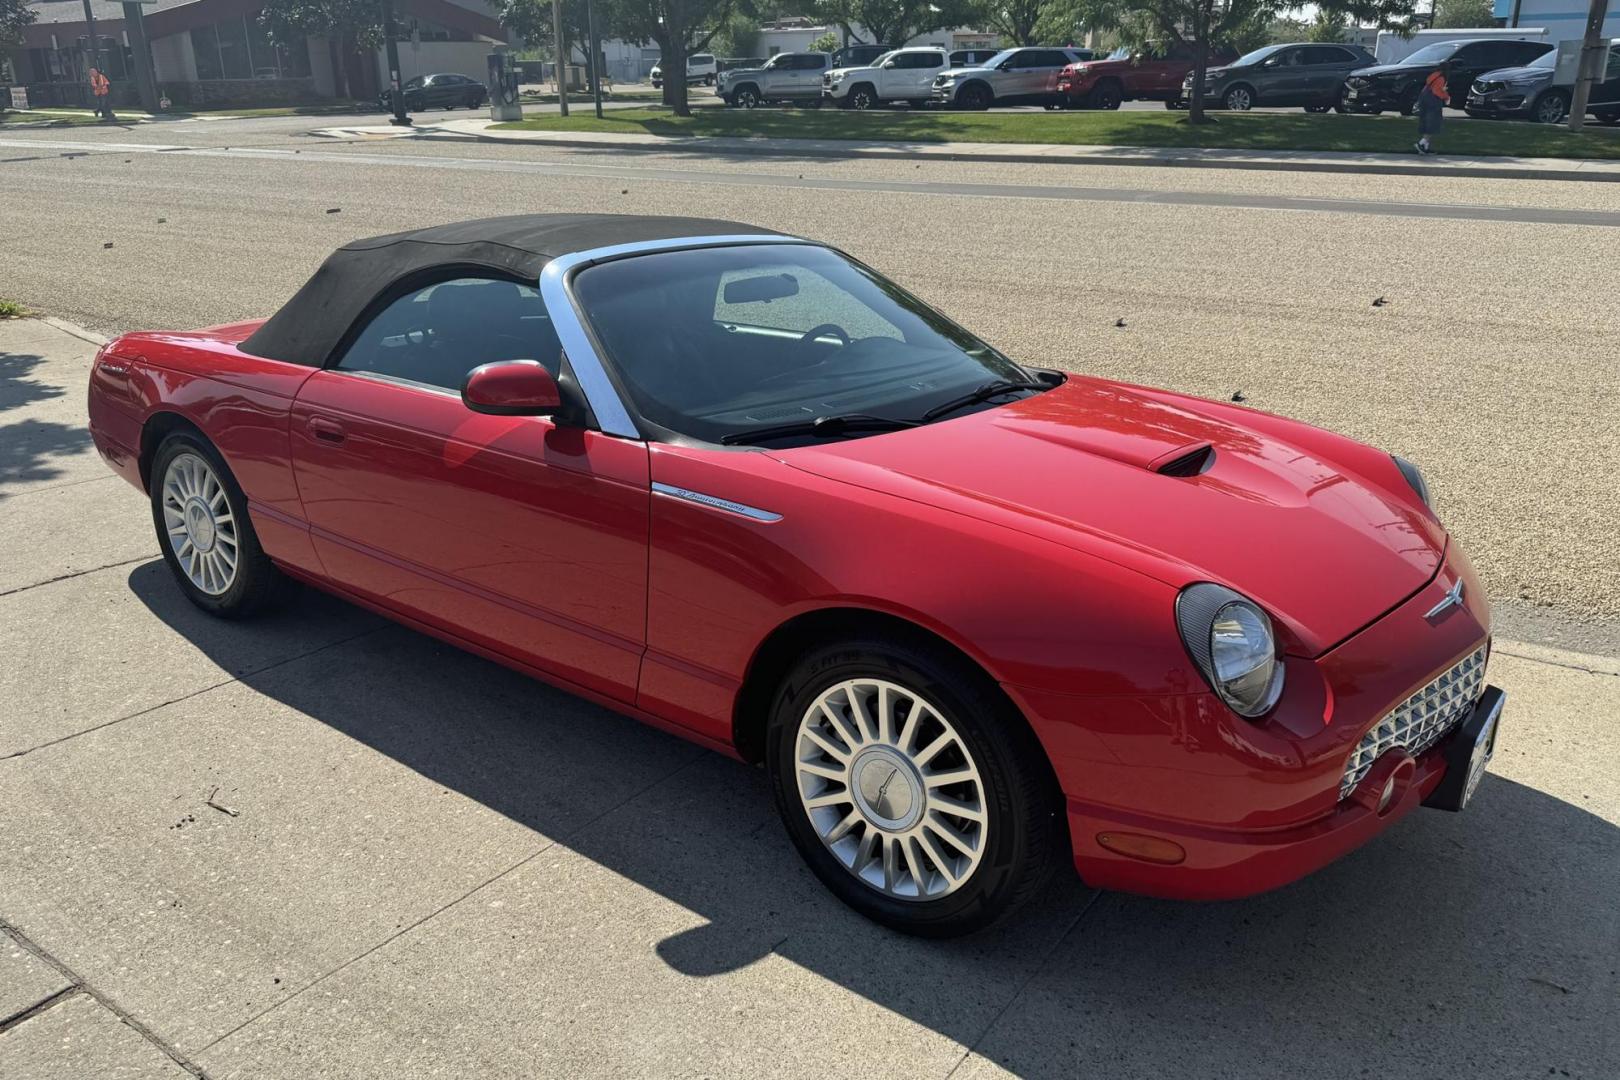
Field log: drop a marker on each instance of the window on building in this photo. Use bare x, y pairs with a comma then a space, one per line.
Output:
205, 44
233, 48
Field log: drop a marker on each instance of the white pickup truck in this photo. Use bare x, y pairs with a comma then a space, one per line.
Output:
901, 75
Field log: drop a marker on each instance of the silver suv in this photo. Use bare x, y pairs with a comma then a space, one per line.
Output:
784, 77
1011, 77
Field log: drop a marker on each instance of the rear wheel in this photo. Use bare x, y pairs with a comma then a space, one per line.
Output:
1550, 107
1176, 104
204, 531
1239, 99
911, 787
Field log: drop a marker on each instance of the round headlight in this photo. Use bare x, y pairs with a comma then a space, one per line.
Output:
1230, 639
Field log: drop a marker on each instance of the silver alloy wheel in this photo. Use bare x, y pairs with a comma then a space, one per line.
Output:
890, 787
1550, 109
1239, 99
201, 528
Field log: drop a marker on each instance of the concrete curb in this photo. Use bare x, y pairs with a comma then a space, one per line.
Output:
1181, 158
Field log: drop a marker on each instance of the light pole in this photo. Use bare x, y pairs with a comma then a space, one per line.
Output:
396, 96
562, 58
1586, 72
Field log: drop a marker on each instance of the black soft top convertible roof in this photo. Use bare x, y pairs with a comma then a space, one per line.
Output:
311, 325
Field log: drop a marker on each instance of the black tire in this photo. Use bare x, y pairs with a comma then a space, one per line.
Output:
976, 96
1175, 104
257, 584
708, 80
918, 103
862, 97
1239, 98
1408, 106
1105, 95
1550, 107
746, 97
1025, 827
1317, 108
1607, 119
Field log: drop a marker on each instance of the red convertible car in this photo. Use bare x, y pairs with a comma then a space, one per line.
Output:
968, 613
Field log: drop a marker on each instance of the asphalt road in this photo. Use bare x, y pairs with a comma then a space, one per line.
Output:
321, 845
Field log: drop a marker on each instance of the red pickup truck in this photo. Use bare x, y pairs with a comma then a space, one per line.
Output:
1130, 75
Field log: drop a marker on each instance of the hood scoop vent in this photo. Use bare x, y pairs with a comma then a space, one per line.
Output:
1185, 461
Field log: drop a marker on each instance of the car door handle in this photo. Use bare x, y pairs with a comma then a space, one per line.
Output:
326, 430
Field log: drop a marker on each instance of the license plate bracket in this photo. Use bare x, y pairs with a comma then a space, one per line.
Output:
1469, 752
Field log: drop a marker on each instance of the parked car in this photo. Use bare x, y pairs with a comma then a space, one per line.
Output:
1301, 74
902, 75
1528, 93
968, 58
740, 486
858, 55
701, 69
446, 91
790, 77
1010, 77
1396, 86
1130, 75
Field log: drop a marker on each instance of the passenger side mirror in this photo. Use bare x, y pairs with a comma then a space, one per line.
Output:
512, 388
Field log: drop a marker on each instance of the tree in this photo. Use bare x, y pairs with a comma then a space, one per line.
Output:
679, 27
739, 36
826, 43
892, 22
15, 15
1451, 14
351, 27
1327, 28
1201, 25
1014, 20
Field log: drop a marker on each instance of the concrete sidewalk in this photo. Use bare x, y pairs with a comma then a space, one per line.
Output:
483, 130
438, 867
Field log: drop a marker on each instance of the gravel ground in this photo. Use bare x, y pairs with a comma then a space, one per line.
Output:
1491, 364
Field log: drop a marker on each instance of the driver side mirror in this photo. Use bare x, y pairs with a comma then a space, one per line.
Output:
512, 388
1005, 65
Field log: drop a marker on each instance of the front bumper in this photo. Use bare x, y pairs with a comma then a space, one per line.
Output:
942, 95
1498, 103
1242, 808
1370, 98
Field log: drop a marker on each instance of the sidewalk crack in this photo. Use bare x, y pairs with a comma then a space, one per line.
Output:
79, 573
81, 986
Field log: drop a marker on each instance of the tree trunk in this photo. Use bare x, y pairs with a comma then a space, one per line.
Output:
340, 77
1195, 104
675, 65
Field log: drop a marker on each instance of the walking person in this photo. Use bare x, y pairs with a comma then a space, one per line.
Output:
1431, 103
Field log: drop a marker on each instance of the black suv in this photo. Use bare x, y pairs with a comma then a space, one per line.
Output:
1396, 86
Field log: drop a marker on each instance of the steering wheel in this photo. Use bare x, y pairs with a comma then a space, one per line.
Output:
815, 332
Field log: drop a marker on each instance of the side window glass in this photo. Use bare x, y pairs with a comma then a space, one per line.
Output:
1612, 71
438, 333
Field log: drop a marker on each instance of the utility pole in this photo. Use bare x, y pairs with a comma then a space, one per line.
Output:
95, 62
140, 45
1586, 71
396, 96
596, 56
562, 58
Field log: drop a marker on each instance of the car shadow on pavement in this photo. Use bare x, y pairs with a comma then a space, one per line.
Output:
1482, 943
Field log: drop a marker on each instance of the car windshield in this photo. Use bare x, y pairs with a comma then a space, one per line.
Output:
998, 58
412, 84
779, 60
714, 341
1434, 54
879, 61
1546, 61
1255, 57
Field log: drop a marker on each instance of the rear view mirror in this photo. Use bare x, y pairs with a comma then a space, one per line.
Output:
512, 388
761, 289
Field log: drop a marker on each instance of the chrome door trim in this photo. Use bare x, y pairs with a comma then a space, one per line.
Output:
715, 502
612, 413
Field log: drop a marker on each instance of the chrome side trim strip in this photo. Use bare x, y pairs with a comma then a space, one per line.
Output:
715, 502
611, 412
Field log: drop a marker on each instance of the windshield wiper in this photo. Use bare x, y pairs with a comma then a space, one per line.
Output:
821, 425
983, 393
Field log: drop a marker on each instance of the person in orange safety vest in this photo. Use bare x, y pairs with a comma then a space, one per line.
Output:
1431, 103
102, 89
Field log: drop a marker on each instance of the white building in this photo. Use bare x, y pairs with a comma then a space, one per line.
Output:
1563, 20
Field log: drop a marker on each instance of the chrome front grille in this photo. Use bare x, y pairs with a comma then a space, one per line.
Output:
1419, 722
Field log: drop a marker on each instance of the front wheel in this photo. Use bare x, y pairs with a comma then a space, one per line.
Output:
975, 96
911, 787
204, 531
746, 98
1239, 99
1607, 119
1550, 108
1176, 104
1317, 108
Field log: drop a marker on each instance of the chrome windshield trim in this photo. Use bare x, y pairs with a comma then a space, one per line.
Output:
715, 502
612, 413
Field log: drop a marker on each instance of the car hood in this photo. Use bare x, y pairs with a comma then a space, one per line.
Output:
734, 72
1391, 70
1326, 546
1517, 73
845, 72
966, 71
